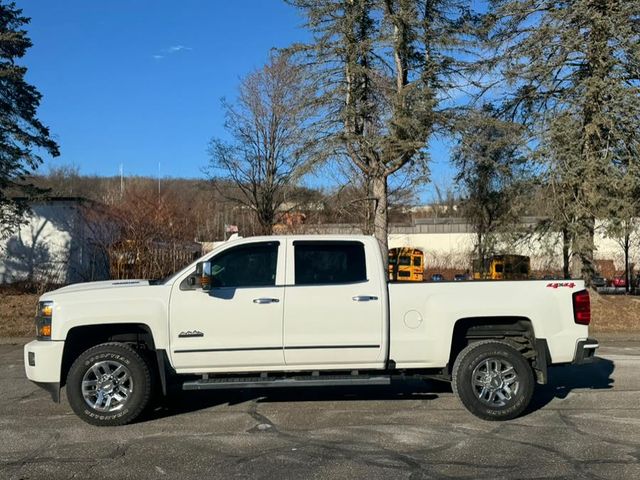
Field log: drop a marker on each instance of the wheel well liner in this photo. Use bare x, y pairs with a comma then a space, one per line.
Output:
491, 327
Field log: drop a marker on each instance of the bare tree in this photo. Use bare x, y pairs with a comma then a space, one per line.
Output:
269, 149
382, 69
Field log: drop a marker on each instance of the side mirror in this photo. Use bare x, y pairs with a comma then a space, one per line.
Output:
203, 273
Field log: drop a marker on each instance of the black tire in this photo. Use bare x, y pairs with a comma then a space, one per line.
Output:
138, 378
481, 357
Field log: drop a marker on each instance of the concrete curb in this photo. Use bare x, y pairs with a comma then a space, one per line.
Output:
15, 340
609, 337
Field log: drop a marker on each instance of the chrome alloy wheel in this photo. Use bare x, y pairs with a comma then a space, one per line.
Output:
107, 385
495, 382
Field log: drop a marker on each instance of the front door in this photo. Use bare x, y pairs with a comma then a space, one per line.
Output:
334, 307
237, 325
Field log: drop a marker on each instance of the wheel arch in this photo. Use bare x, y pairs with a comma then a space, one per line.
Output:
83, 337
515, 330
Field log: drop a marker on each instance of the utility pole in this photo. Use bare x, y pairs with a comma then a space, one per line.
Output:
121, 180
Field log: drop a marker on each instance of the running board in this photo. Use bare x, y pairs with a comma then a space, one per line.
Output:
302, 381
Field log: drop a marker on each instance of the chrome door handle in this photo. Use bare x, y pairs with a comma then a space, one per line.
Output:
266, 300
363, 298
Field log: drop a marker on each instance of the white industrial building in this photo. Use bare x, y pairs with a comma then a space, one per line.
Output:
450, 242
61, 241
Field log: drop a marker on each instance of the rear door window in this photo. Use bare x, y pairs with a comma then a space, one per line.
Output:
329, 262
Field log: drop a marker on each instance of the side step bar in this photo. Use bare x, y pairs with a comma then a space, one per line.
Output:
301, 381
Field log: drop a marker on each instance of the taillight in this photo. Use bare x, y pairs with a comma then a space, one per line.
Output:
582, 307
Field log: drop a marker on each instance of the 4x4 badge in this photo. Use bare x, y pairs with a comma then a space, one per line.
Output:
190, 333
561, 284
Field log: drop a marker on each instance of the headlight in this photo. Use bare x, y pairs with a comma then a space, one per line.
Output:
43, 320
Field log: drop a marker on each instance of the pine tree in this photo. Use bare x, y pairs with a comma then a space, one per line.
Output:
491, 172
572, 73
22, 136
382, 70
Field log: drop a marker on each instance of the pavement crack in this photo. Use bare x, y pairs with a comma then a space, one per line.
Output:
264, 425
634, 447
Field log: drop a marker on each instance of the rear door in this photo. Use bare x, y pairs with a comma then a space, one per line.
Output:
334, 306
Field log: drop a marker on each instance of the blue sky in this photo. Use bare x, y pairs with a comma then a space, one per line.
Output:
139, 82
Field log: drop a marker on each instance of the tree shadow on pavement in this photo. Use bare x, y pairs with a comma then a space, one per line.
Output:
564, 379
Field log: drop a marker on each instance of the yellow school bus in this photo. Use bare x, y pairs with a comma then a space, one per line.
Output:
502, 267
406, 264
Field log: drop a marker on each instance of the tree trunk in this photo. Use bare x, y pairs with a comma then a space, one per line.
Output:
380, 214
265, 227
266, 217
369, 210
481, 254
627, 279
583, 247
566, 273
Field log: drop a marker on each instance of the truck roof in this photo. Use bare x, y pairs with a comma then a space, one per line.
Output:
271, 238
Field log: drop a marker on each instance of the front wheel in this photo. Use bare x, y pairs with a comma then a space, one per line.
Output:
109, 384
493, 380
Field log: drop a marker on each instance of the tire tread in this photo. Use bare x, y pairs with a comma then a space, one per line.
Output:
460, 362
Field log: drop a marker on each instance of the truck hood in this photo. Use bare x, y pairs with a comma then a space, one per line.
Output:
106, 285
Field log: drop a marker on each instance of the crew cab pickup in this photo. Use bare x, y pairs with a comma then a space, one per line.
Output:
300, 311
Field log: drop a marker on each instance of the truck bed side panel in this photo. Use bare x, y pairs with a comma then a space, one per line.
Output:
423, 316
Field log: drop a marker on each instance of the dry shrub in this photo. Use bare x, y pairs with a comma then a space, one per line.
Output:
156, 235
17, 313
614, 313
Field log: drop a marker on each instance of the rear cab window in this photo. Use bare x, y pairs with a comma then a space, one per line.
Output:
329, 262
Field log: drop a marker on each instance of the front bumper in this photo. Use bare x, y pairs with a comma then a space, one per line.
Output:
585, 351
43, 364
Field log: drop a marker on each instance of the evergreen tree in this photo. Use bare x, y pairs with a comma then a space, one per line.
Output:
383, 69
491, 173
22, 136
624, 213
572, 72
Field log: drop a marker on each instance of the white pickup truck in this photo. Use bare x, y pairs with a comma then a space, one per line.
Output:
298, 311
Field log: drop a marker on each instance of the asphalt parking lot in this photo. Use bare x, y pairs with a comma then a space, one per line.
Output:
585, 424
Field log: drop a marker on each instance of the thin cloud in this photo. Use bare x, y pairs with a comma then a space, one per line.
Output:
178, 48
165, 52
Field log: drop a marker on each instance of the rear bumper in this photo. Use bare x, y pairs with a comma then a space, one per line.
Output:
585, 351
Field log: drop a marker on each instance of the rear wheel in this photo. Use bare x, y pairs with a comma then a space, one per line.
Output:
109, 384
493, 380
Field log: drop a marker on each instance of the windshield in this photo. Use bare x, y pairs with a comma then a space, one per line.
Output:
404, 260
